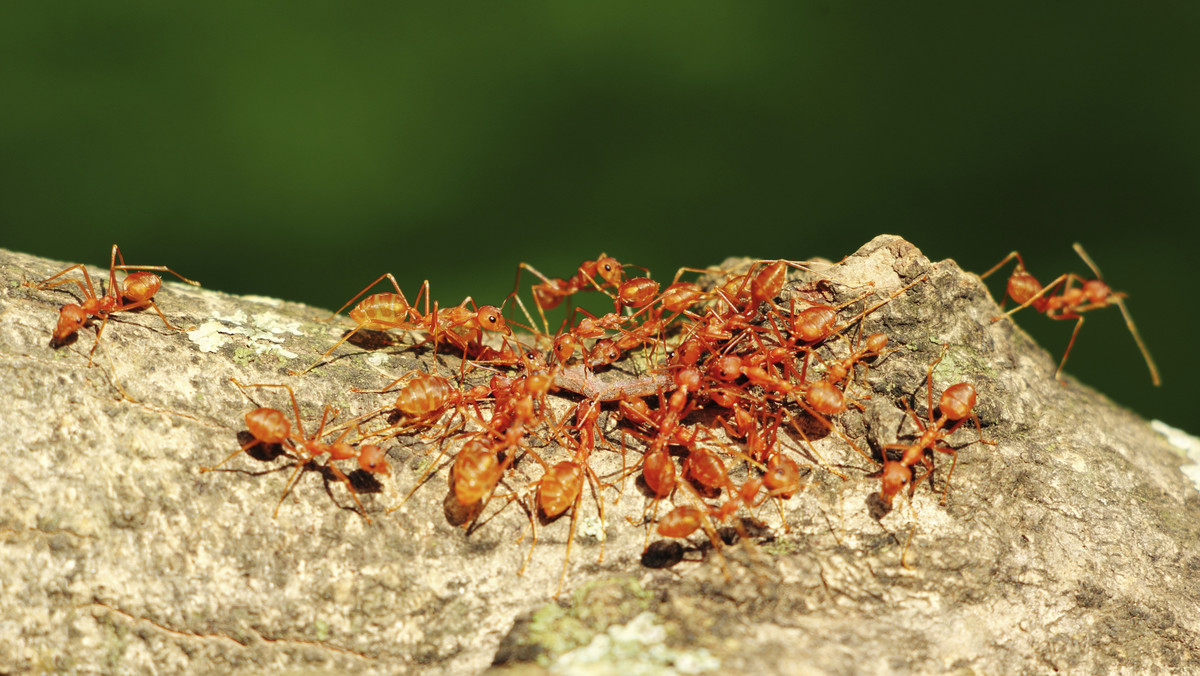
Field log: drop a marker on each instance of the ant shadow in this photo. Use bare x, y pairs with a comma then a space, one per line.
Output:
260, 451
69, 340
458, 514
877, 508
370, 339
360, 480
662, 554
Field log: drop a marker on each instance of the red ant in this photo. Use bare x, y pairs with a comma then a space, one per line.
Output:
558, 489
422, 402
136, 291
459, 325
1069, 303
956, 404
270, 426
549, 293
424, 398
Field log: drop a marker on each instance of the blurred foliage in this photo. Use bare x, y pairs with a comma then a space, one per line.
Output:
301, 150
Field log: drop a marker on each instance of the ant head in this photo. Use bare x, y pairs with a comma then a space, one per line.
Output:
895, 477
782, 477
609, 269
727, 368
604, 352
587, 411
140, 286
490, 319
564, 347
373, 459
70, 318
725, 398
689, 351
533, 361
957, 401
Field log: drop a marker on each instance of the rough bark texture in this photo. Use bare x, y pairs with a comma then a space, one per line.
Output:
1073, 544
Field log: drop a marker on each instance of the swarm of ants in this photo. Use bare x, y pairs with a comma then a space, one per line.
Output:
729, 364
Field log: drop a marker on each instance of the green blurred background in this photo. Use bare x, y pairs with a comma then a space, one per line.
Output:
300, 151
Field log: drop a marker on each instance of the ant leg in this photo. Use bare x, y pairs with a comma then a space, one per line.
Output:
113, 267
424, 292
159, 268
1070, 344
908, 541
570, 540
1141, 345
116, 255
244, 448
389, 386
387, 275
49, 283
433, 466
301, 463
929, 383
894, 295
997, 266
812, 449
828, 423
376, 323
350, 487
150, 302
1125, 313
537, 303
92, 352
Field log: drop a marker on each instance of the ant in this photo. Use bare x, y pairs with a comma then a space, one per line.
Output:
956, 404
136, 291
1069, 303
270, 426
460, 325
549, 293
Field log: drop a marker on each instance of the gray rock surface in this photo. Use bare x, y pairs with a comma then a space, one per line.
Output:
1071, 545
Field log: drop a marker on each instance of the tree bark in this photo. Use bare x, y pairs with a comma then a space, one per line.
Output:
1072, 544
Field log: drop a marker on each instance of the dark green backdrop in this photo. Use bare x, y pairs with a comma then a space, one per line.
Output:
299, 152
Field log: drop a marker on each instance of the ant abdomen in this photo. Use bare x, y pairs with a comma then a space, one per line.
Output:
957, 401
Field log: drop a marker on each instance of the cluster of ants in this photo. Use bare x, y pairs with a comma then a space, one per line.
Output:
728, 367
